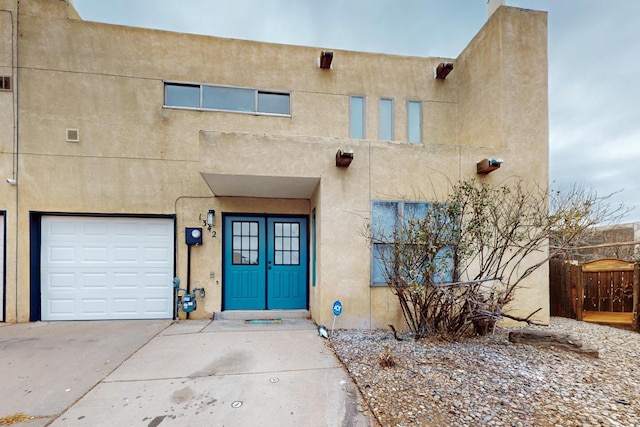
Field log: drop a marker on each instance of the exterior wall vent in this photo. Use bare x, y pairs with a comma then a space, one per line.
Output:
5, 83
73, 135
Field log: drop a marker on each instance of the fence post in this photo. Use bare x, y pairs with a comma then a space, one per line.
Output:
579, 292
636, 296
570, 290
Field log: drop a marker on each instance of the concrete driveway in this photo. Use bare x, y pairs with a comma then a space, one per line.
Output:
151, 373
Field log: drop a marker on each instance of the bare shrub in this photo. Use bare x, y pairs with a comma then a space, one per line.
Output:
457, 265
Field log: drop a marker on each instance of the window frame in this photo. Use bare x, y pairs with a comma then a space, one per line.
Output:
409, 121
399, 216
245, 242
390, 119
5, 83
283, 239
362, 126
201, 87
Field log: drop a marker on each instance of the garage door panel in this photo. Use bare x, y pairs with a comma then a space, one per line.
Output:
126, 254
61, 308
93, 274
60, 229
94, 307
126, 306
59, 254
62, 281
94, 254
97, 228
2, 260
157, 305
154, 255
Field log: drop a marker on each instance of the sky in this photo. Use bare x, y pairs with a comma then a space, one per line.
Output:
594, 61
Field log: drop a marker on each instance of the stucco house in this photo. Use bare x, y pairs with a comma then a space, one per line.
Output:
129, 156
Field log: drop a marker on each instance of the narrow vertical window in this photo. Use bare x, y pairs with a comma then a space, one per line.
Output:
314, 246
414, 121
356, 117
386, 119
5, 83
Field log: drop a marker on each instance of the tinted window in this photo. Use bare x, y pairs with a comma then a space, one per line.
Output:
182, 95
356, 117
228, 98
414, 121
386, 120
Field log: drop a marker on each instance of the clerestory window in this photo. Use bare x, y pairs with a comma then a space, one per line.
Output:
226, 98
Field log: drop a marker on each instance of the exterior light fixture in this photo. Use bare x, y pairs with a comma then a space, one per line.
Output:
325, 60
442, 70
211, 218
485, 166
344, 158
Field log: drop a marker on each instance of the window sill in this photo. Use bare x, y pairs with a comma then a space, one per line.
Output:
247, 113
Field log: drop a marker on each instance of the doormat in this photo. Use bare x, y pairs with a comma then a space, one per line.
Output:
261, 321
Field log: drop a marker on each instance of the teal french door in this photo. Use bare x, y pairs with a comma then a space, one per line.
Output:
265, 263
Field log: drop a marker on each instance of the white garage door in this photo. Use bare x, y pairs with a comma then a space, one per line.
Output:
106, 268
2, 291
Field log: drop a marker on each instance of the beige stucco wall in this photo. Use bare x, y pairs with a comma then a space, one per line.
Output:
137, 157
8, 16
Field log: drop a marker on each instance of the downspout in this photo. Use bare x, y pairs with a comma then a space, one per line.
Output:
16, 127
370, 269
14, 171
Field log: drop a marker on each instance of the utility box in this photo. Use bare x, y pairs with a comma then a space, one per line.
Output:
188, 303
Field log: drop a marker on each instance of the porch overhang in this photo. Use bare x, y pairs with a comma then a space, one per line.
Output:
273, 187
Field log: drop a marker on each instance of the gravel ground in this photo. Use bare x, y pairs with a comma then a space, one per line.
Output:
488, 381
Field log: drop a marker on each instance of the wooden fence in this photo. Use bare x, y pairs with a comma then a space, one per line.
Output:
602, 291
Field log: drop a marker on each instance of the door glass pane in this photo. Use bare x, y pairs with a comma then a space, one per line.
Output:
245, 242
286, 243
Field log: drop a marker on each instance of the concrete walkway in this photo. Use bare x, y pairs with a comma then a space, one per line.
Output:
161, 373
